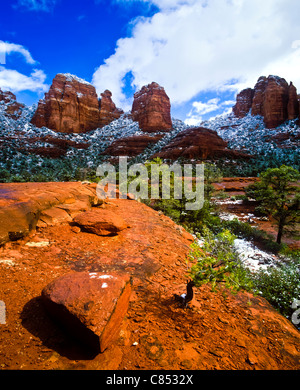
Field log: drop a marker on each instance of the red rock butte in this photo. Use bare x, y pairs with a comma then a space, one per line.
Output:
152, 109
72, 106
272, 98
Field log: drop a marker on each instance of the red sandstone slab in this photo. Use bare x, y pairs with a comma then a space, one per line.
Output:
91, 306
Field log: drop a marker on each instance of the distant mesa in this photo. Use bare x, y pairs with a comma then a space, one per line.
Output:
72, 106
272, 98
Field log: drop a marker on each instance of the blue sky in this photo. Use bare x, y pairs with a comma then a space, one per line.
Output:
201, 51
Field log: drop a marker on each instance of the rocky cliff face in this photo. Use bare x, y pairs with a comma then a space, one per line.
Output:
275, 102
271, 98
72, 106
243, 103
151, 108
293, 102
108, 110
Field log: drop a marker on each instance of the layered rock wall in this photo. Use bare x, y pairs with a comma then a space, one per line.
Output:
72, 106
271, 98
197, 143
152, 109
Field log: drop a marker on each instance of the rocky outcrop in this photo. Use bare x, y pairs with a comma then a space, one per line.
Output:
23, 206
293, 103
132, 146
275, 102
152, 109
197, 143
258, 97
90, 305
108, 110
101, 222
234, 184
72, 106
243, 103
271, 98
12, 107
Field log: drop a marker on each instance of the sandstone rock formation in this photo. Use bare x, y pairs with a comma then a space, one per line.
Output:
243, 103
108, 110
72, 106
258, 96
90, 305
271, 98
197, 143
7, 96
23, 206
13, 108
151, 108
235, 185
275, 101
101, 222
293, 102
132, 146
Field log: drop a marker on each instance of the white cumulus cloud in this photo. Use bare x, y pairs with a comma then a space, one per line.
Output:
7, 48
195, 116
15, 81
192, 46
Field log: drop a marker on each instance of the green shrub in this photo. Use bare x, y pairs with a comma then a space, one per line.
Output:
217, 262
280, 286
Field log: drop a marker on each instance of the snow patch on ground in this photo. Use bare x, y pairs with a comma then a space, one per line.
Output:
250, 135
252, 257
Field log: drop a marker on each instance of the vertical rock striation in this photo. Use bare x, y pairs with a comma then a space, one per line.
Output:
272, 98
152, 109
72, 106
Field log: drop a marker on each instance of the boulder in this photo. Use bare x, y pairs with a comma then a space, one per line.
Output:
101, 222
152, 109
53, 216
89, 305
